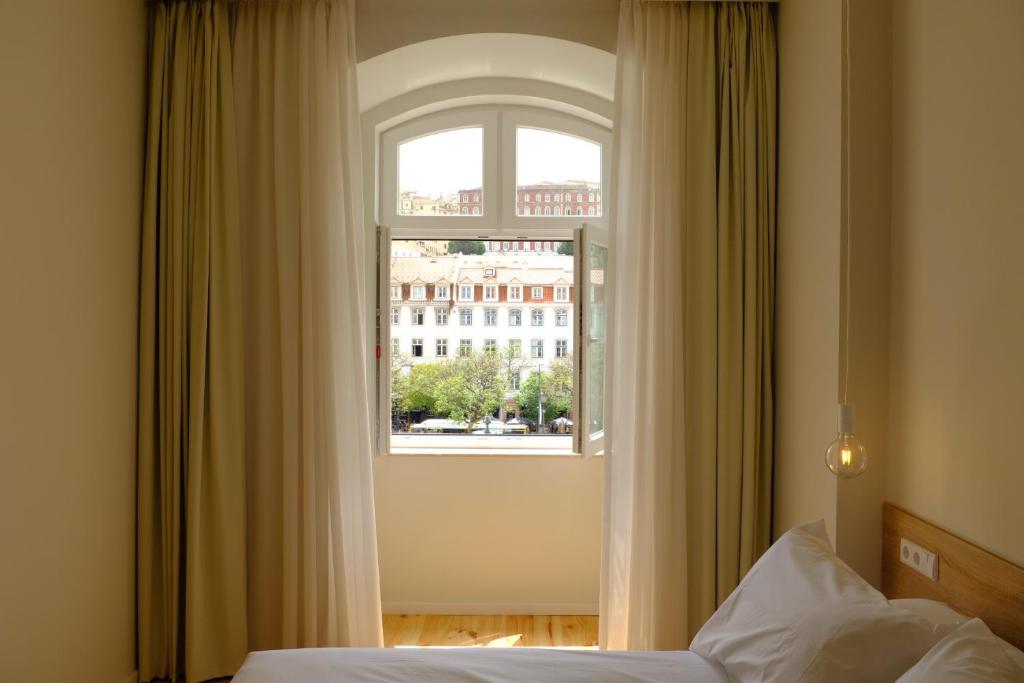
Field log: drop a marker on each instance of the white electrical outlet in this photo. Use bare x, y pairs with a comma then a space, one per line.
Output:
920, 560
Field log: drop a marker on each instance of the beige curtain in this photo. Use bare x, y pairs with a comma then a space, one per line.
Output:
312, 543
688, 504
191, 460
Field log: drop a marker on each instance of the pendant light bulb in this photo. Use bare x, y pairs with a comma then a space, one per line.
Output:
846, 456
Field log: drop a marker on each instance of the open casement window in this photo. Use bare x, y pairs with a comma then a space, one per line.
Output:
480, 228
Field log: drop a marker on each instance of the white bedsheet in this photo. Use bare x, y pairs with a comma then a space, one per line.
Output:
475, 665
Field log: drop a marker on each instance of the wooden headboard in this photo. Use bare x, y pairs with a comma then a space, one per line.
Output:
971, 580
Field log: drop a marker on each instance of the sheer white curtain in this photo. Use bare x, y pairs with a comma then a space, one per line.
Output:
688, 474
313, 577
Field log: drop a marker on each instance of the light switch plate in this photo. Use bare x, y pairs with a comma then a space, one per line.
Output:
920, 560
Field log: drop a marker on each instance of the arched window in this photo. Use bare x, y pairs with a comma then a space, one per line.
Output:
590, 210
558, 210
547, 210
579, 210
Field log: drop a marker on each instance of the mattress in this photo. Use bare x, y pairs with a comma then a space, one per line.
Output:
475, 665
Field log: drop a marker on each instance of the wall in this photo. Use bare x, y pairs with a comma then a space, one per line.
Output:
489, 534
71, 131
807, 275
383, 25
957, 281
484, 534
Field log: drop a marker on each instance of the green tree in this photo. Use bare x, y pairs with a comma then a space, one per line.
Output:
566, 248
474, 387
466, 247
420, 390
556, 384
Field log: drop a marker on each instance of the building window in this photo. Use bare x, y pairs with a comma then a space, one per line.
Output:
394, 347
465, 316
395, 315
440, 316
561, 348
537, 317
490, 292
516, 381
418, 292
579, 196
465, 347
490, 345
515, 348
490, 317
579, 210
476, 210
561, 317
417, 348
417, 316
515, 293
590, 211
396, 292
537, 293
537, 348
441, 348
465, 292
441, 292
515, 317
561, 293
558, 210
547, 210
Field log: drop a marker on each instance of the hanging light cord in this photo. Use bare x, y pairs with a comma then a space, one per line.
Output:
849, 200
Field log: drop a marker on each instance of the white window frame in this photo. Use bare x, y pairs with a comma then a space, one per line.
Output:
412, 349
561, 317
438, 343
420, 295
441, 293
562, 294
497, 222
439, 313
514, 298
491, 313
421, 313
536, 344
519, 315
396, 292
533, 317
490, 293
469, 310
536, 293
472, 293
396, 315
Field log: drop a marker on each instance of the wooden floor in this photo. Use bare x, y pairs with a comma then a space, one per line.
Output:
432, 630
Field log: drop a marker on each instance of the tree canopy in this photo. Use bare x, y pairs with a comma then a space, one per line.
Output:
466, 247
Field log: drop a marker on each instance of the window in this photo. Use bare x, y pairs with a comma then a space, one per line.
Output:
450, 183
394, 347
395, 313
546, 156
426, 188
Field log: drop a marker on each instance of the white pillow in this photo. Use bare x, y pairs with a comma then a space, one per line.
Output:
801, 614
940, 613
970, 654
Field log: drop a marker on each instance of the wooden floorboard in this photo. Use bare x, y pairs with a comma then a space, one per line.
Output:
444, 630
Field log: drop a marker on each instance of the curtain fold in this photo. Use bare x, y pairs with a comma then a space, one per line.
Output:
688, 509
191, 464
312, 542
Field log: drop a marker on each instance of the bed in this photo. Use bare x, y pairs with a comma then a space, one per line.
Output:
744, 643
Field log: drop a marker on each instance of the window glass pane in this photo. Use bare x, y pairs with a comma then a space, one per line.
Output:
482, 371
597, 262
441, 174
556, 174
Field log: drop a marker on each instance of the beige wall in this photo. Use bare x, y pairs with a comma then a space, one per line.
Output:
383, 25
499, 535
71, 128
957, 278
807, 294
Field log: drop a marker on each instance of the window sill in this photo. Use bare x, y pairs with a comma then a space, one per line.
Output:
478, 453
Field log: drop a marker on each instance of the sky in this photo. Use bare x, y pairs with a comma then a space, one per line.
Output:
444, 163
